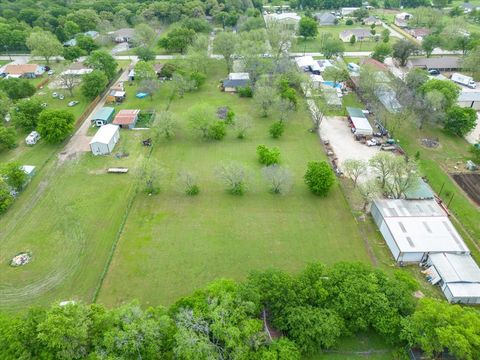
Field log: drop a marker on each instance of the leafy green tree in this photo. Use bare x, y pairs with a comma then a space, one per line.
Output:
336, 73
225, 45
471, 62
381, 51
55, 125
26, 113
276, 129
314, 328
332, 47
145, 53
429, 43
360, 14
416, 78
13, 174
460, 121
6, 199
144, 71
71, 29
385, 35
319, 177
64, 332
17, 88
447, 88
144, 35
353, 40
86, 19
5, 104
437, 326
268, 156
8, 138
93, 84
72, 53
86, 43
307, 27
103, 61
177, 40
402, 50
45, 44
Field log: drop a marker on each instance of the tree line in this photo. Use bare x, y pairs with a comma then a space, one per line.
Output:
312, 310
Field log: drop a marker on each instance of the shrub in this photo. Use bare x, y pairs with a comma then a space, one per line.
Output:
319, 177
276, 129
217, 130
230, 117
192, 190
234, 177
349, 22
246, 92
268, 156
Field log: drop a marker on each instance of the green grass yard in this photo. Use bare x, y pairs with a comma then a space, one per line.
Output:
72, 213
173, 244
313, 45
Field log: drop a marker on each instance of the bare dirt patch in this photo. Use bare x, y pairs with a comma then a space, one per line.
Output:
470, 183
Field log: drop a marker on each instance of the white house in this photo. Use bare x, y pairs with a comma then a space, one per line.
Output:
457, 275
415, 229
105, 139
288, 19
348, 10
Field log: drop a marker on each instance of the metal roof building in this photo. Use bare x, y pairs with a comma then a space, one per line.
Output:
457, 275
361, 125
105, 139
415, 229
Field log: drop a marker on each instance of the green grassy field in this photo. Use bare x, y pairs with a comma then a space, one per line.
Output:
173, 244
313, 45
71, 215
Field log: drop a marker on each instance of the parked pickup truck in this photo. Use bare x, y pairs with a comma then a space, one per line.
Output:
464, 80
387, 147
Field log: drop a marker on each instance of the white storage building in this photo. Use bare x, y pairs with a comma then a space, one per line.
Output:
105, 139
360, 124
457, 275
415, 229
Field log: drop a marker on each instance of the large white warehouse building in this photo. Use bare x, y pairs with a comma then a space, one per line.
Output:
415, 229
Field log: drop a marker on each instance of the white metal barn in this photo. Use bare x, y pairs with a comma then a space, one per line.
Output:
457, 275
105, 139
414, 229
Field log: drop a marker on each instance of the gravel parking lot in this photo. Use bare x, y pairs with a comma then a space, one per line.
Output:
337, 131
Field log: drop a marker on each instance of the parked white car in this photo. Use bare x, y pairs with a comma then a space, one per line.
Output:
32, 138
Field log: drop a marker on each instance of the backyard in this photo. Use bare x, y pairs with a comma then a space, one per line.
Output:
173, 243
314, 45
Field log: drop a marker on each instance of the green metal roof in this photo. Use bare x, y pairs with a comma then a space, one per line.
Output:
104, 114
420, 192
355, 112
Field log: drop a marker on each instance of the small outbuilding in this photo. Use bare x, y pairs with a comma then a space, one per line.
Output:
105, 139
457, 275
126, 119
235, 81
359, 122
103, 116
115, 96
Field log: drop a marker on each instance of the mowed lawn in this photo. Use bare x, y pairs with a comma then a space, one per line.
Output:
173, 244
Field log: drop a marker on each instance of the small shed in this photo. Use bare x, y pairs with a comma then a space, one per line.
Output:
360, 124
30, 170
115, 96
126, 119
235, 81
105, 139
103, 116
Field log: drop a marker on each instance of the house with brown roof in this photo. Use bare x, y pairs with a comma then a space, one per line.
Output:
126, 119
29, 71
419, 33
375, 64
372, 20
